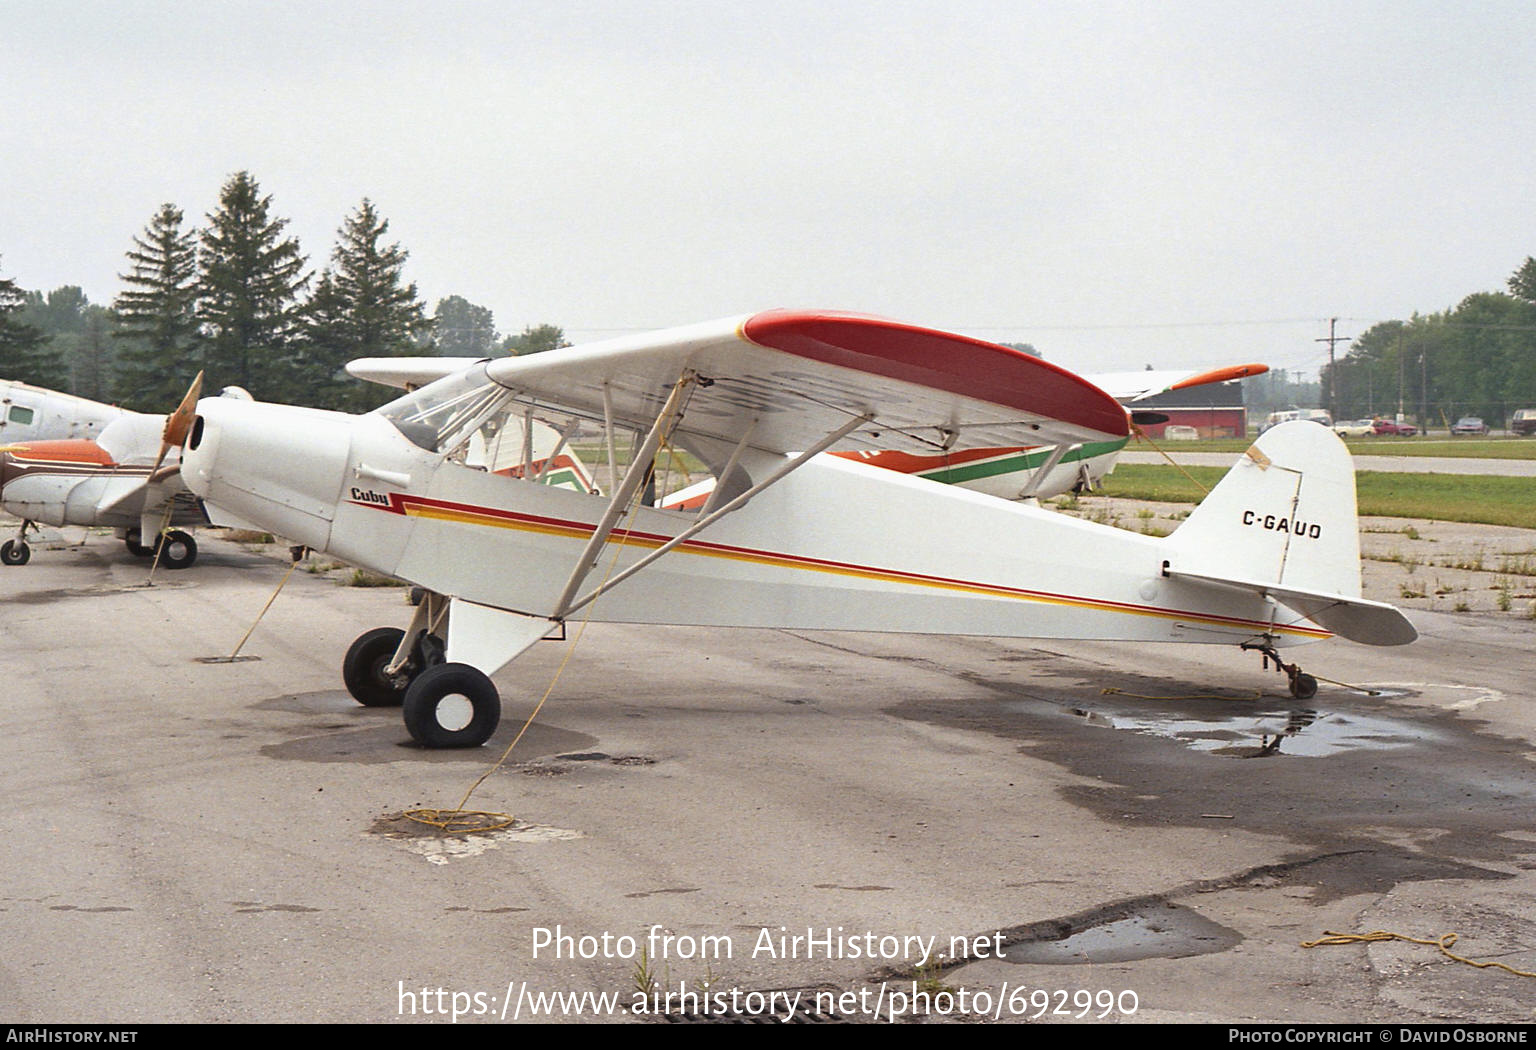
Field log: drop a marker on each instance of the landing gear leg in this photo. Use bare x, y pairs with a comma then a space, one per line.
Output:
1302, 685
382, 663
133, 540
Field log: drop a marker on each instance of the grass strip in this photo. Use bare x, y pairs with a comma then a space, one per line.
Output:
1476, 498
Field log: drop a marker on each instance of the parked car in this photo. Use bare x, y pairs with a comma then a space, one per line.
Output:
1391, 429
1523, 422
1355, 428
1468, 425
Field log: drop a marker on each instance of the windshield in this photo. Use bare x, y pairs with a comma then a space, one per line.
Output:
441, 416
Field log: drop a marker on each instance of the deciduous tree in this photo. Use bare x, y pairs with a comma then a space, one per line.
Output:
461, 328
535, 340
24, 351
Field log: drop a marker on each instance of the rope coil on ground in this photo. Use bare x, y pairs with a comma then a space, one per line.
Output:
460, 821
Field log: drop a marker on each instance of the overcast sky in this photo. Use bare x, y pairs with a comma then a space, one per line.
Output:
1120, 184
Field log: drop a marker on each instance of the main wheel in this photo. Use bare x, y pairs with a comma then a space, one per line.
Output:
177, 550
452, 705
134, 542
15, 552
363, 668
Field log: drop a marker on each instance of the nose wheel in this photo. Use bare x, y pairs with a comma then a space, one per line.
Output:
16, 552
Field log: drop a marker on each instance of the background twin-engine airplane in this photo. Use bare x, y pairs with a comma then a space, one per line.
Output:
65, 460
440, 488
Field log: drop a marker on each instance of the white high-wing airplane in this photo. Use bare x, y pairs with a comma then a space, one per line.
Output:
788, 538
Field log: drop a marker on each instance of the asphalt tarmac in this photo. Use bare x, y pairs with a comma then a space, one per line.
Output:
785, 822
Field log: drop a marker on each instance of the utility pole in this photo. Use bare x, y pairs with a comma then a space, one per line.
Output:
1331, 395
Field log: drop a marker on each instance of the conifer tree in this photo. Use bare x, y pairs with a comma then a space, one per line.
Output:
361, 307
248, 292
1523, 281
156, 314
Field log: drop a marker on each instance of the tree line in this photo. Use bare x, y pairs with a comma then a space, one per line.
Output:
237, 300
1478, 359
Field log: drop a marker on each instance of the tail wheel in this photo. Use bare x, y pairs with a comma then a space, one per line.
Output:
177, 550
452, 705
1303, 686
14, 552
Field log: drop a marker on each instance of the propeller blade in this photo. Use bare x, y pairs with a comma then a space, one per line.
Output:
179, 422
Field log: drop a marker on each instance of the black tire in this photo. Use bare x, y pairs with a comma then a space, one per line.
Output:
15, 552
452, 705
178, 550
363, 668
1303, 686
135, 547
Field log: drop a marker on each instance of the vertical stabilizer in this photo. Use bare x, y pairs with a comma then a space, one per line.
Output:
1285, 514
1282, 523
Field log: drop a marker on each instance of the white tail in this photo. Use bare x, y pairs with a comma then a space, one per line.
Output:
1282, 523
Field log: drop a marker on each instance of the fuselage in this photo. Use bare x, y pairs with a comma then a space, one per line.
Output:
836, 545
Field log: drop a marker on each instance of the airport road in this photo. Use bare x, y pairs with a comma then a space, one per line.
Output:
1509, 468
187, 841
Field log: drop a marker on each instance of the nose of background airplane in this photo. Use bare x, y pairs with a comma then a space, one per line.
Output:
8, 468
275, 467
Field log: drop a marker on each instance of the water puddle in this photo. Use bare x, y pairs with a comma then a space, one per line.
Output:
1162, 932
1253, 733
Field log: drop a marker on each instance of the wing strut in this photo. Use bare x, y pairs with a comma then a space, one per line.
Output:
778, 475
613, 459
1044, 470
639, 466
725, 471
565, 437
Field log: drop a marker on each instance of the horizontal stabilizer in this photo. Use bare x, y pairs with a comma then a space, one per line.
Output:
1357, 619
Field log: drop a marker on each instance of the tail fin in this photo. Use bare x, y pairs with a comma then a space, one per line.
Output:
1282, 523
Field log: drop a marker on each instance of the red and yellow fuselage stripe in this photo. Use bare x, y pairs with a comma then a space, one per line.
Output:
494, 517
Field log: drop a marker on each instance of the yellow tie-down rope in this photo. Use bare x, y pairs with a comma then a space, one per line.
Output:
460, 821
1444, 942
1141, 435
